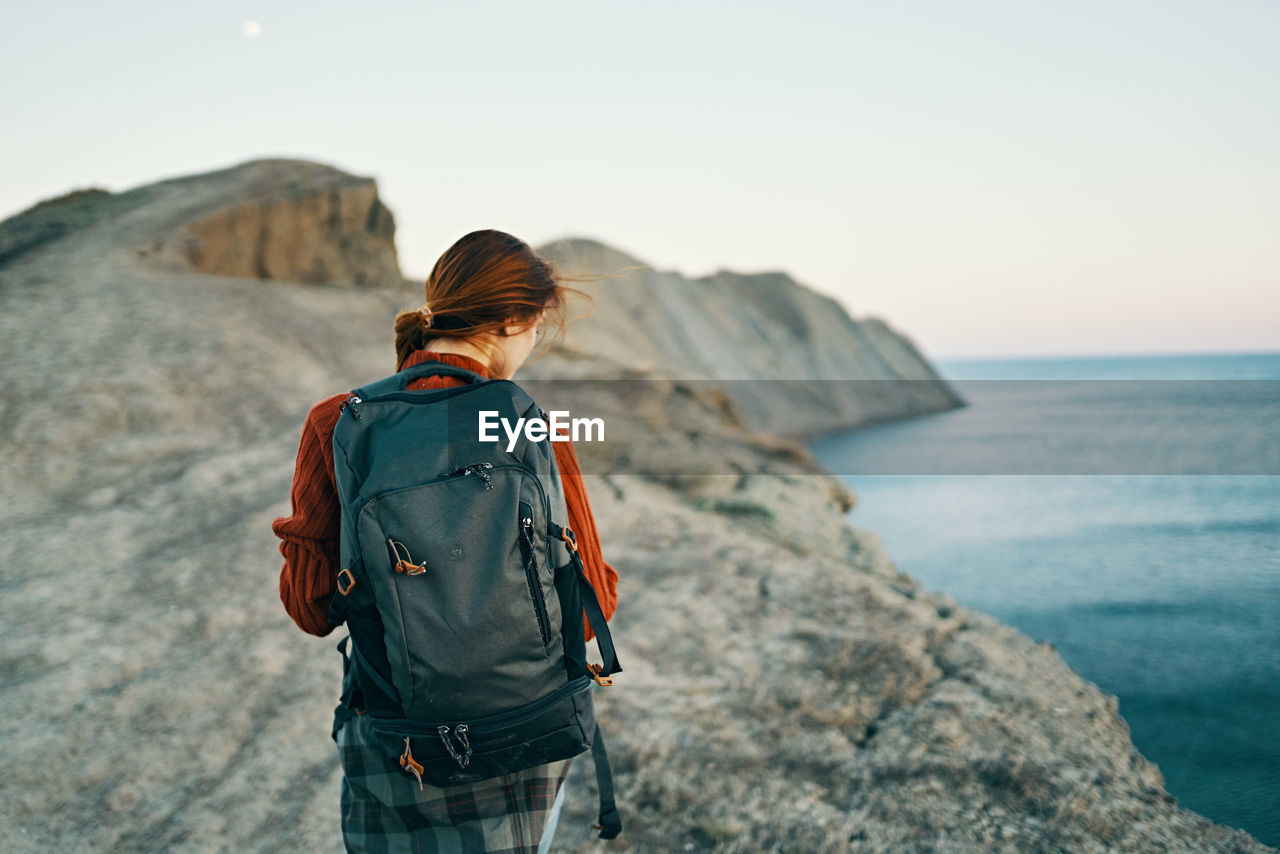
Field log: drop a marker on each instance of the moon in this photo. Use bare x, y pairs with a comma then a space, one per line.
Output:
252, 29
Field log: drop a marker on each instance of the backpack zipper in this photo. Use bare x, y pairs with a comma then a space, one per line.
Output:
502, 720
531, 575
481, 469
489, 468
537, 481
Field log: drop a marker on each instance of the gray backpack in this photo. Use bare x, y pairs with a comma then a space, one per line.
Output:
462, 587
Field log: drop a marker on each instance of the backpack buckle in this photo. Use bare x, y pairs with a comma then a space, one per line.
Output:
598, 675
351, 582
408, 763
570, 539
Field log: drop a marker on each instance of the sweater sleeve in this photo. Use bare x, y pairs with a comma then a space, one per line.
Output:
602, 576
310, 536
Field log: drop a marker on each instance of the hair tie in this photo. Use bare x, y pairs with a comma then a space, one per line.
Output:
424, 316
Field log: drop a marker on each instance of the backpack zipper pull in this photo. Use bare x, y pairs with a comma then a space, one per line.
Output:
463, 759
353, 403
481, 469
526, 535
408, 763
461, 732
403, 563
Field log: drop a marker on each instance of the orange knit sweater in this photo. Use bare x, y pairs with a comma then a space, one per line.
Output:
309, 537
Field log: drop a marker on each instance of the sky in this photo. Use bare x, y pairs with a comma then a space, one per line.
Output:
992, 178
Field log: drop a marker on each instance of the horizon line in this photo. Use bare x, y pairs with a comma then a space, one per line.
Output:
1132, 354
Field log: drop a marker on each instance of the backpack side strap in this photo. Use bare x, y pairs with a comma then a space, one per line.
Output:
610, 824
350, 704
590, 603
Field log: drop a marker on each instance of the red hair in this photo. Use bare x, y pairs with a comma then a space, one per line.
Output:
480, 285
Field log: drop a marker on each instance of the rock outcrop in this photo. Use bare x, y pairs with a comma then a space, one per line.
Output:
326, 228
286, 220
785, 687
793, 361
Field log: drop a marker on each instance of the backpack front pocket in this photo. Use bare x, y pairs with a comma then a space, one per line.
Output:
452, 752
453, 583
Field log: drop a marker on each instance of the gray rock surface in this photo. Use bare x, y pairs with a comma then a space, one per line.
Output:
785, 687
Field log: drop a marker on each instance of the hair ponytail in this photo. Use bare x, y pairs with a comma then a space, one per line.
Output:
411, 334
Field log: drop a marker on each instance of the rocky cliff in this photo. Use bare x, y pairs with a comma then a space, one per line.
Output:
792, 360
287, 220
785, 687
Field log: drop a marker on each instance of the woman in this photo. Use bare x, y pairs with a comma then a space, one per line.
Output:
486, 299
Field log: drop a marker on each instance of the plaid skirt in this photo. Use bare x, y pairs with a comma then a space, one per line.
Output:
384, 811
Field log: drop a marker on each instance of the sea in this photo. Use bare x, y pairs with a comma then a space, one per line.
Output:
1150, 558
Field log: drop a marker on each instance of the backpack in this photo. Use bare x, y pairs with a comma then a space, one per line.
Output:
462, 588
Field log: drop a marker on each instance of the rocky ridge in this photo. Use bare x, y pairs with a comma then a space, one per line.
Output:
792, 360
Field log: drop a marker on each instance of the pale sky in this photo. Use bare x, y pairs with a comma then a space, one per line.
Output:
993, 178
